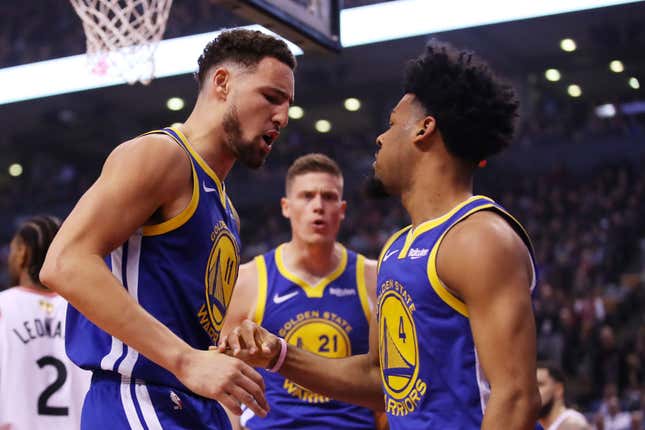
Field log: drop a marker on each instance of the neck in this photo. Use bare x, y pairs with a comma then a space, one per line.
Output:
430, 195
207, 137
556, 411
26, 281
316, 260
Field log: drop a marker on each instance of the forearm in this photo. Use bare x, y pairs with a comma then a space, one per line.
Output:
89, 286
510, 409
353, 379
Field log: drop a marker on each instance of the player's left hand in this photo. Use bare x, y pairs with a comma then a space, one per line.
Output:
252, 344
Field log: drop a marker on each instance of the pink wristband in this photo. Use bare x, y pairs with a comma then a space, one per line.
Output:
283, 355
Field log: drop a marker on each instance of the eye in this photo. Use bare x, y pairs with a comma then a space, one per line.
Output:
272, 99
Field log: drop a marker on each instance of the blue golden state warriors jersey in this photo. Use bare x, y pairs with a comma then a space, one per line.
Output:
181, 271
331, 319
429, 367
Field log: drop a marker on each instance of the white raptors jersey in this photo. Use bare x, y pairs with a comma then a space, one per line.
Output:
40, 388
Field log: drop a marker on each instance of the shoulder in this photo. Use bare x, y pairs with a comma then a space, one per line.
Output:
482, 247
153, 160
155, 153
484, 236
574, 421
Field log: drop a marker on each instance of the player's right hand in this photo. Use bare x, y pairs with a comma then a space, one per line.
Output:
251, 343
226, 379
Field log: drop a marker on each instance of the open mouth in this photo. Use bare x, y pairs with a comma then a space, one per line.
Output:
319, 223
270, 137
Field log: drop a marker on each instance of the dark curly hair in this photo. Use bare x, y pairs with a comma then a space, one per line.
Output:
37, 234
244, 47
474, 110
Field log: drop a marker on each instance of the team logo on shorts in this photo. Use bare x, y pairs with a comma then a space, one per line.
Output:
219, 279
399, 349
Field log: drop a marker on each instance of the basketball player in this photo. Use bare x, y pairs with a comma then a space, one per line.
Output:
149, 256
455, 328
554, 415
312, 291
40, 388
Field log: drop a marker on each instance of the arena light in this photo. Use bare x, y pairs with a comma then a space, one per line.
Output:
616, 66
352, 104
175, 103
574, 90
633, 82
69, 74
359, 26
568, 45
296, 112
406, 18
323, 126
552, 75
15, 169
606, 111
176, 124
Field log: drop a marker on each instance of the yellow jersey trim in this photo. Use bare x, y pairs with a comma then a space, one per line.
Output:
433, 276
263, 286
312, 291
430, 224
182, 217
362, 288
203, 165
388, 243
236, 216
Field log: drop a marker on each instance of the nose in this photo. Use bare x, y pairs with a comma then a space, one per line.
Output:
281, 116
318, 203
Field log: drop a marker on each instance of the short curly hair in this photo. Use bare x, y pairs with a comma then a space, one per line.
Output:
245, 47
475, 111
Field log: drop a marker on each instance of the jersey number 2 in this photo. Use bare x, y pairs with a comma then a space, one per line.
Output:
61, 377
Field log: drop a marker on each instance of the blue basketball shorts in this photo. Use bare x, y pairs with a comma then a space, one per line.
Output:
116, 402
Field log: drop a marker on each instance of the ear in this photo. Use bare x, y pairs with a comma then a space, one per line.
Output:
221, 81
284, 205
343, 208
426, 129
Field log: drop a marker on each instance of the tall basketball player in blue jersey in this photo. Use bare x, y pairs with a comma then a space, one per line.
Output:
455, 327
149, 256
313, 292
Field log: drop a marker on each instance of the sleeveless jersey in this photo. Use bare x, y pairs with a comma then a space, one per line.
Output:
40, 388
429, 367
181, 271
565, 415
331, 319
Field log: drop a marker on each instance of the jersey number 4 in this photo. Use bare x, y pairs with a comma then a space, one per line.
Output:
61, 377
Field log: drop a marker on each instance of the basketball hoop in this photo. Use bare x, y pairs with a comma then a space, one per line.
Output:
122, 35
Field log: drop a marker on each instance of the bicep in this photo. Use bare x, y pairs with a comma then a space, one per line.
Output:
488, 265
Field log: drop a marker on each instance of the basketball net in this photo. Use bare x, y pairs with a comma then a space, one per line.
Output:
122, 35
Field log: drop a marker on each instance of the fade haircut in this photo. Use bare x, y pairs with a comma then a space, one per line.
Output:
243, 47
312, 163
474, 110
37, 234
554, 371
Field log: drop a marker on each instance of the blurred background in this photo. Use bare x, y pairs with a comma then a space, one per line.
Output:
573, 176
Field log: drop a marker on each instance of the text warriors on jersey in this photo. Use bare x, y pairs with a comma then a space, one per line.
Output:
399, 350
220, 276
321, 332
